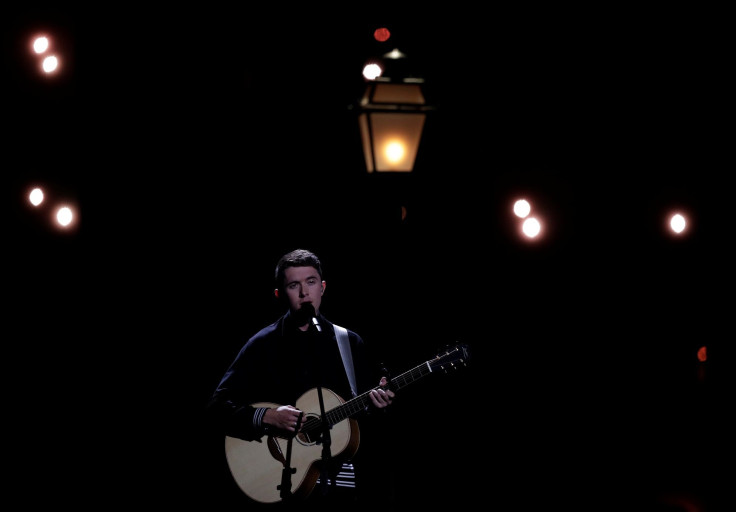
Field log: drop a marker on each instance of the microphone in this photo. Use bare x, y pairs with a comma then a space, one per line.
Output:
308, 311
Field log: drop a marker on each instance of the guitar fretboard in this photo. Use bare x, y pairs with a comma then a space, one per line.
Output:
361, 402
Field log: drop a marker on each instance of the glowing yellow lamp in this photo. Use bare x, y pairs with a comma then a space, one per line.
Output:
391, 122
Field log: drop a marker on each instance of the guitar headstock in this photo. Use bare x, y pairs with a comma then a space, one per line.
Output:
451, 359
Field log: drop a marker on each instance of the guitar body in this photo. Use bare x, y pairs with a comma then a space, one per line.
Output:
257, 466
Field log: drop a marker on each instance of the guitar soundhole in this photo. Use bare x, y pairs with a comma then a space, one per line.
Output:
310, 431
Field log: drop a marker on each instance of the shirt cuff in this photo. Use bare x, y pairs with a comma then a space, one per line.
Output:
258, 418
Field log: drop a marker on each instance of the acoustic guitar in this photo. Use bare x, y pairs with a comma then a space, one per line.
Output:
276, 466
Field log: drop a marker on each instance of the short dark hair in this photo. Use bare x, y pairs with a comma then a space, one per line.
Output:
296, 258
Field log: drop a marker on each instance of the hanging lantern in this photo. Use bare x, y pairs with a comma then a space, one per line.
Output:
392, 116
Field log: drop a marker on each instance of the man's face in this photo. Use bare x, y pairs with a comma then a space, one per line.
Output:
302, 284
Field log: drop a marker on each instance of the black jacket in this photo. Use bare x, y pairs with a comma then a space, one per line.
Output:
277, 366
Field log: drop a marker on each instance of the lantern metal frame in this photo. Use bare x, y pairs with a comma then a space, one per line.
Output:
392, 118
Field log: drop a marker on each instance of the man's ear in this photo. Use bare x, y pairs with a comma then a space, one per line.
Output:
324, 285
276, 293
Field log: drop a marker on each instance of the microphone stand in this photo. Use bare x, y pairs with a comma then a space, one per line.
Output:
325, 431
326, 442
286, 473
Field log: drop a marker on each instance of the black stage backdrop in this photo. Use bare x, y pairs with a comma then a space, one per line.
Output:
204, 143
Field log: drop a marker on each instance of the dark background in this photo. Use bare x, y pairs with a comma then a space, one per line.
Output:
203, 143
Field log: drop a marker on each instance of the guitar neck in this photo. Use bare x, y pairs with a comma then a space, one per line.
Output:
360, 402
450, 359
